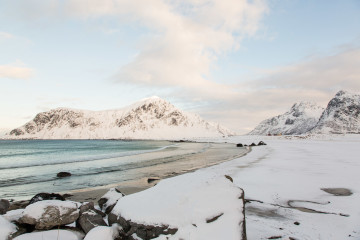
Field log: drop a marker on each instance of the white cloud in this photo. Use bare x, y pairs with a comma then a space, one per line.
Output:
316, 79
15, 71
5, 35
185, 39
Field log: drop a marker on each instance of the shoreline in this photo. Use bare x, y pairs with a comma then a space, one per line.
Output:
211, 154
134, 186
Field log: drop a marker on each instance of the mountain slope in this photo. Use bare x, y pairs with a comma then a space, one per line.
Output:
301, 118
342, 115
151, 118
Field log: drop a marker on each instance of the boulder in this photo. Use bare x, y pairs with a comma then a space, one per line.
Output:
18, 205
46, 196
4, 206
252, 145
153, 179
90, 206
168, 209
63, 174
50, 213
239, 145
89, 220
261, 143
108, 201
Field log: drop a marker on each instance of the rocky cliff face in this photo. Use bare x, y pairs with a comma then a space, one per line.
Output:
152, 118
301, 118
342, 115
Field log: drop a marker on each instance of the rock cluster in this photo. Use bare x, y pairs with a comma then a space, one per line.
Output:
50, 216
261, 143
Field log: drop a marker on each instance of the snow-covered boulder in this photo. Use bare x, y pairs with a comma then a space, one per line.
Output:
50, 213
104, 233
6, 228
58, 234
108, 201
199, 205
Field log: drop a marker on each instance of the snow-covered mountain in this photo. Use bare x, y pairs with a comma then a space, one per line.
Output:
301, 118
151, 118
342, 115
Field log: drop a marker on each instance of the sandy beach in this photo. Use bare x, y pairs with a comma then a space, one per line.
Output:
211, 154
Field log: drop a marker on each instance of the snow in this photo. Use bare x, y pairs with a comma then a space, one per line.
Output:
152, 118
14, 215
297, 169
6, 228
36, 210
289, 168
52, 235
103, 233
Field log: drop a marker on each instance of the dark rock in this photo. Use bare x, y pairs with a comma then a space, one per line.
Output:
252, 145
4, 206
230, 178
86, 207
296, 223
46, 196
63, 174
209, 220
18, 205
90, 206
142, 231
338, 191
66, 195
261, 143
21, 229
275, 237
239, 145
90, 219
153, 179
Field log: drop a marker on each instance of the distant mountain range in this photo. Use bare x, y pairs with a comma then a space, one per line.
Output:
151, 118
341, 116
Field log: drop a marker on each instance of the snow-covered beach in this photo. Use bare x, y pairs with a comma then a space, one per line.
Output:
295, 188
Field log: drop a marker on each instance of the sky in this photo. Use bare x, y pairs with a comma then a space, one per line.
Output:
236, 62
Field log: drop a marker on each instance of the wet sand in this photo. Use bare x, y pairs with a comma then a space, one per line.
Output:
197, 155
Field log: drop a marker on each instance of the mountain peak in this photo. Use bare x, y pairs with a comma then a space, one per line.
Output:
301, 117
342, 115
150, 118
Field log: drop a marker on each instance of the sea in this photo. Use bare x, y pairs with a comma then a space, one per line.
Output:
28, 167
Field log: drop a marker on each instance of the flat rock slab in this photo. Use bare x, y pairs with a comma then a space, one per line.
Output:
338, 191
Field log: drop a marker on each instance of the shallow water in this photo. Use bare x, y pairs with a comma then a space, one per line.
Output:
28, 167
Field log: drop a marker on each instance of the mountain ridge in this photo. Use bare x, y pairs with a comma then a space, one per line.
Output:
149, 118
301, 118
341, 116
